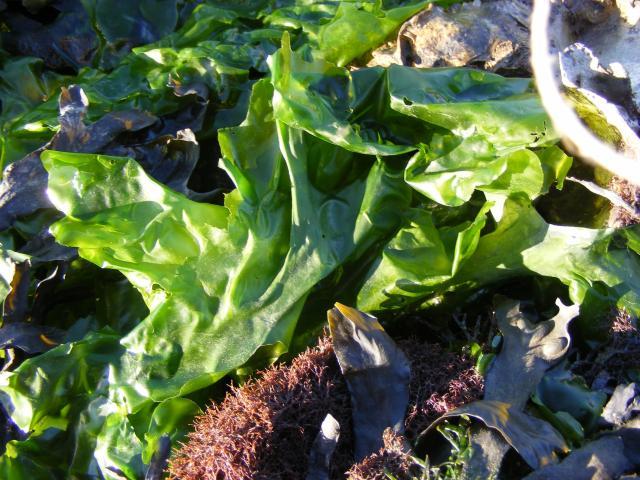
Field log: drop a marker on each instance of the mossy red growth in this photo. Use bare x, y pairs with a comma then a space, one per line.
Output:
624, 352
392, 458
610, 364
265, 429
440, 382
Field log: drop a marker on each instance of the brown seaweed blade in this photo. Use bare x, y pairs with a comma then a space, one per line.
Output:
23, 190
167, 149
377, 374
609, 456
529, 350
534, 439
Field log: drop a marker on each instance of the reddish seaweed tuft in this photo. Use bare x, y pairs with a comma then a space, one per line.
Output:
265, 428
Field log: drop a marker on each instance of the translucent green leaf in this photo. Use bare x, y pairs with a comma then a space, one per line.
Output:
586, 260
505, 111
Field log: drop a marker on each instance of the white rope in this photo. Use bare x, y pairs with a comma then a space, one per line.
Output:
565, 121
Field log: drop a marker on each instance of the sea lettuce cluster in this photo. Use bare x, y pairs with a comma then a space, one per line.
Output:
393, 189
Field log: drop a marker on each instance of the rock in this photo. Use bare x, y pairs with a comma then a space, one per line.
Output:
594, 47
492, 35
